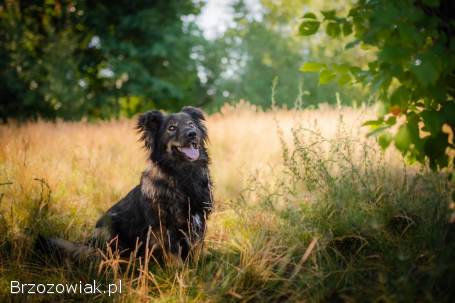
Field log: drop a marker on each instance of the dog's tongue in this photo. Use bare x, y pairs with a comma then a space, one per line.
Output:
191, 152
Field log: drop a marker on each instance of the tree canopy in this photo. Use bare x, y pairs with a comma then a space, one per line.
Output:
101, 59
260, 53
412, 72
98, 59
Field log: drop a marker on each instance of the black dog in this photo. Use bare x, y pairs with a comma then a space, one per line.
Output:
168, 209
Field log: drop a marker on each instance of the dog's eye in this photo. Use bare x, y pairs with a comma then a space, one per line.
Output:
172, 128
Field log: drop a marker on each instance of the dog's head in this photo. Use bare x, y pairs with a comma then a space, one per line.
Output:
178, 137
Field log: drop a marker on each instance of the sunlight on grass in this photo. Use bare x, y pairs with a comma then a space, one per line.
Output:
307, 209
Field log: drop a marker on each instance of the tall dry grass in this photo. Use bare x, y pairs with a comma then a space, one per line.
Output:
307, 209
92, 164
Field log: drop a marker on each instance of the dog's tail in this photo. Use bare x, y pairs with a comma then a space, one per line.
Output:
62, 249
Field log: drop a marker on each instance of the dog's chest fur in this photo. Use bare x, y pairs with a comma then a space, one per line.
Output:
181, 199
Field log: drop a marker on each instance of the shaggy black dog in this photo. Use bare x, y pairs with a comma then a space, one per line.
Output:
168, 209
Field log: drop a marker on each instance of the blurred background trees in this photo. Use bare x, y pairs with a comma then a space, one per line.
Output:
98, 59
262, 50
101, 59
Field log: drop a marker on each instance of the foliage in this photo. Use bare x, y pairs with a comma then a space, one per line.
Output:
100, 59
258, 52
97, 58
412, 73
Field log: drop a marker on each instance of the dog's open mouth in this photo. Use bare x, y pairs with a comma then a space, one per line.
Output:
191, 151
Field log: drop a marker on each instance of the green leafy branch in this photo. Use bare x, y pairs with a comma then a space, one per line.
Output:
412, 75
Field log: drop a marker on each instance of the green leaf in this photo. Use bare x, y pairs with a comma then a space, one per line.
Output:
326, 76
448, 112
425, 72
329, 14
333, 29
435, 149
391, 120
413, 128
400, 97
403, 138
344, 79
384, 140
312, 67
341, 68
377, 122
432, 121
309, 27
373, 65
309, 16
347, 28
410, 35
377, 130
355, 70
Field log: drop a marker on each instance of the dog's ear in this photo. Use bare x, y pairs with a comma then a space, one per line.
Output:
198, 116
148, 125
194, 113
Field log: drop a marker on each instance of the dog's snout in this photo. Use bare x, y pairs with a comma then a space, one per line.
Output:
191, 134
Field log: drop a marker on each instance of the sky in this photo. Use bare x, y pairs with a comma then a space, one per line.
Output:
217, 15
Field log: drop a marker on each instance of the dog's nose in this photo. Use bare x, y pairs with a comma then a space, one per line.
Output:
191, 134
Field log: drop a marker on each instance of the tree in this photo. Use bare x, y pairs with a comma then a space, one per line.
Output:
258, 51
98, 59
412, 72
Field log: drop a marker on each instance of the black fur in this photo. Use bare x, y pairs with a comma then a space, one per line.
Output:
169, 207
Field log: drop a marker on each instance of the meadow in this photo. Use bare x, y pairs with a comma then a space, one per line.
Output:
307, 209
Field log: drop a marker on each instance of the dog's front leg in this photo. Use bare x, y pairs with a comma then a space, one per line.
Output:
178, 244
